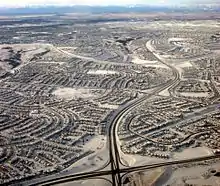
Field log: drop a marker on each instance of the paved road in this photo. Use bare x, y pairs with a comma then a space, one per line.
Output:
87, 58
71, 178
114, 149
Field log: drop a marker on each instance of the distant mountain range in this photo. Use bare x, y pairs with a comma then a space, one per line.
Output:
52, 9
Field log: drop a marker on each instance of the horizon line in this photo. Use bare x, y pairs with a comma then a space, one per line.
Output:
107, 5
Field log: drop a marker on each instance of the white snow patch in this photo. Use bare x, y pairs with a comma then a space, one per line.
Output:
136, 60
108, 106
194, 94
175, 39
70, 93
102, 72
185, 64
164, 92
91, 182
95, 143
148, 63
192, 153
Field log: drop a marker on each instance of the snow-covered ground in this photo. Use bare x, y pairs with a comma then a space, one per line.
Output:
192, 153
102, 72
71, 93
175, 39
194, 94
136, 60
88, 182
97, 142
138, 160
148, 63
165, 92
194, 175
108, 106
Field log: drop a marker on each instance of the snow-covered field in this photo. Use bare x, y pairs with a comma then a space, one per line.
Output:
194, 175
138, 160
102, 72
194, 94
192, 153
108, 106
94, 161
71, 93
89, 182
175, 39
165, 92
148, 63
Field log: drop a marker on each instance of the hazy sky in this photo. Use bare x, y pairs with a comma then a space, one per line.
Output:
100, 2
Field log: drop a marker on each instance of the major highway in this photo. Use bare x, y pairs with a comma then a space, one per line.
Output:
114, 154
89, 175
